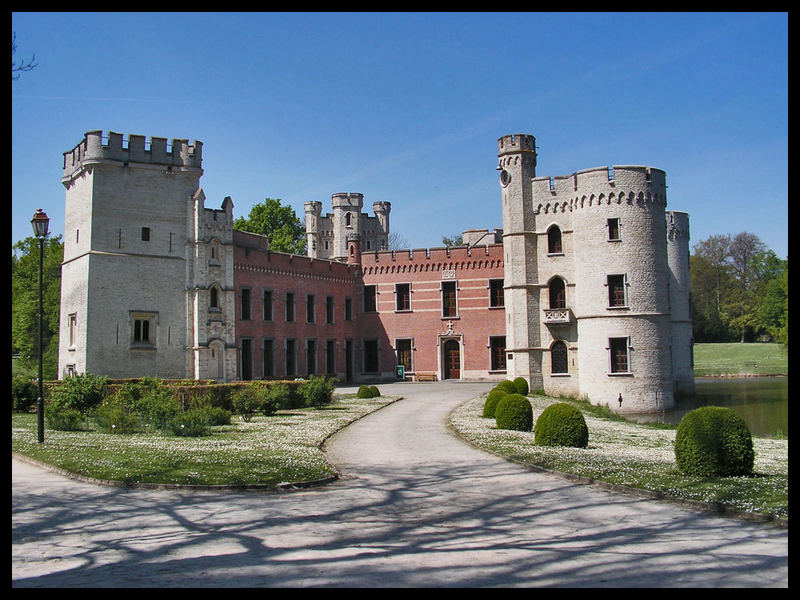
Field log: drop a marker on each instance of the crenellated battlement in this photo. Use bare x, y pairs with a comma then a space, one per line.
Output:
517, 142
347, 199
136, 149
677, 225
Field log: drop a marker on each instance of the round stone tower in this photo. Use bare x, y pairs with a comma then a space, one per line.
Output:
679, 289
346, 219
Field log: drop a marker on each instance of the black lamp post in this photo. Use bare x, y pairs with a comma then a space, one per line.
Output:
40, 223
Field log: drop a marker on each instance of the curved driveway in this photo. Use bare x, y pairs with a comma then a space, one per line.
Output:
414, 507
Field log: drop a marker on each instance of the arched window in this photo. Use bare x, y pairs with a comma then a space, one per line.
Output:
347, 218
554, 240
558, 296
213, 301
558, 358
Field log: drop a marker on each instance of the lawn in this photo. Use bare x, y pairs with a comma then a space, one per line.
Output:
634, 455
266, 451
735, 358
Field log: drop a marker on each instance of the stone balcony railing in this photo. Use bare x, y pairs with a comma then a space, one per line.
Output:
557, 316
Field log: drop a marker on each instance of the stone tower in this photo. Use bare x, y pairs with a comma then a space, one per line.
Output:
680, 285
123, 297
517, 166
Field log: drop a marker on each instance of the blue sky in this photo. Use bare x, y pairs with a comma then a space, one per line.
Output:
407, 107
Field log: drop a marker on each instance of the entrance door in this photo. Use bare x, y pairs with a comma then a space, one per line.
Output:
452, 360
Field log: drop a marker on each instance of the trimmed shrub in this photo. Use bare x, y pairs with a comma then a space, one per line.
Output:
318, 392
117, 413
561, 424
521, 386
191, 423
157, 405
217, 415
248, 401
492, 398
508, 386
23, 393
714, 441
368, 391
64, 418
274, 398
514, 412
83, 392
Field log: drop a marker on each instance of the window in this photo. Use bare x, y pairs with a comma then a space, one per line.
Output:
145, 234
497, 353
245, 305
370, 356
402, 296
403, 349
329, 310
291, 359
619, 354
613, 229
496, 295
330, 357
616, 291
289, 307
370, 299
347, 219
247, 359
558, 294
554, 240
267, 305
213, 297
310, 308
143, 329
558, 358
73, 319
449, 301
311, 356
268, 358
348, 309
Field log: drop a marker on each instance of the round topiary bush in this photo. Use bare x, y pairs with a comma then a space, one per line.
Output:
521, 386
561, 424
714, 441
368, 391
514, 412
490, 405
508, 386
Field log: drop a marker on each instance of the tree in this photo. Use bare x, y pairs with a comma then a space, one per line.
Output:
278, 223
22, 66
25, 302
397, 241
456, 240
745, 251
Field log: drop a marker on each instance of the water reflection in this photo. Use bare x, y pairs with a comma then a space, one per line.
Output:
763, 402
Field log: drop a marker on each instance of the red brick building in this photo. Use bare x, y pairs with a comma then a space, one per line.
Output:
437, 313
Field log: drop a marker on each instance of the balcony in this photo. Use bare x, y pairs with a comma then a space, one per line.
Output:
557, 316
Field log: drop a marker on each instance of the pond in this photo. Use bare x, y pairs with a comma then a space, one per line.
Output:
763, 402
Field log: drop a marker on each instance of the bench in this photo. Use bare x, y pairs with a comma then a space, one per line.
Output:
425, 376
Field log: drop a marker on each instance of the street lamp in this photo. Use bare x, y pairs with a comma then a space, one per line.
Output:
40, 223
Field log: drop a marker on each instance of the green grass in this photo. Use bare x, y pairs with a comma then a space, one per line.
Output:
266, 451
736, 358
634, 455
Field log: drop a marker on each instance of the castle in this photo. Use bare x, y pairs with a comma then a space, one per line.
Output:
585, 290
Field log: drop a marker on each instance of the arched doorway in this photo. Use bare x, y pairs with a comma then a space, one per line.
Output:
216, 361
451, 359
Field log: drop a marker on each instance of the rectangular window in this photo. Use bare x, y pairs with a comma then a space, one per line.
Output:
247, 359
330, 357
497, 353
289, 307
613, 229
73, 318
616, 290
291, 358
620, 359
268, 358
496, 295
329, 310
403, 349
311, 356
348, 309
145, 234
402, 296
144, 332
267, 305
310, 308
245, 305
449, 305
370, 298
370, 356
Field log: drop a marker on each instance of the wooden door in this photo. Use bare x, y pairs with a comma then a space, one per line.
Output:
452, 360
